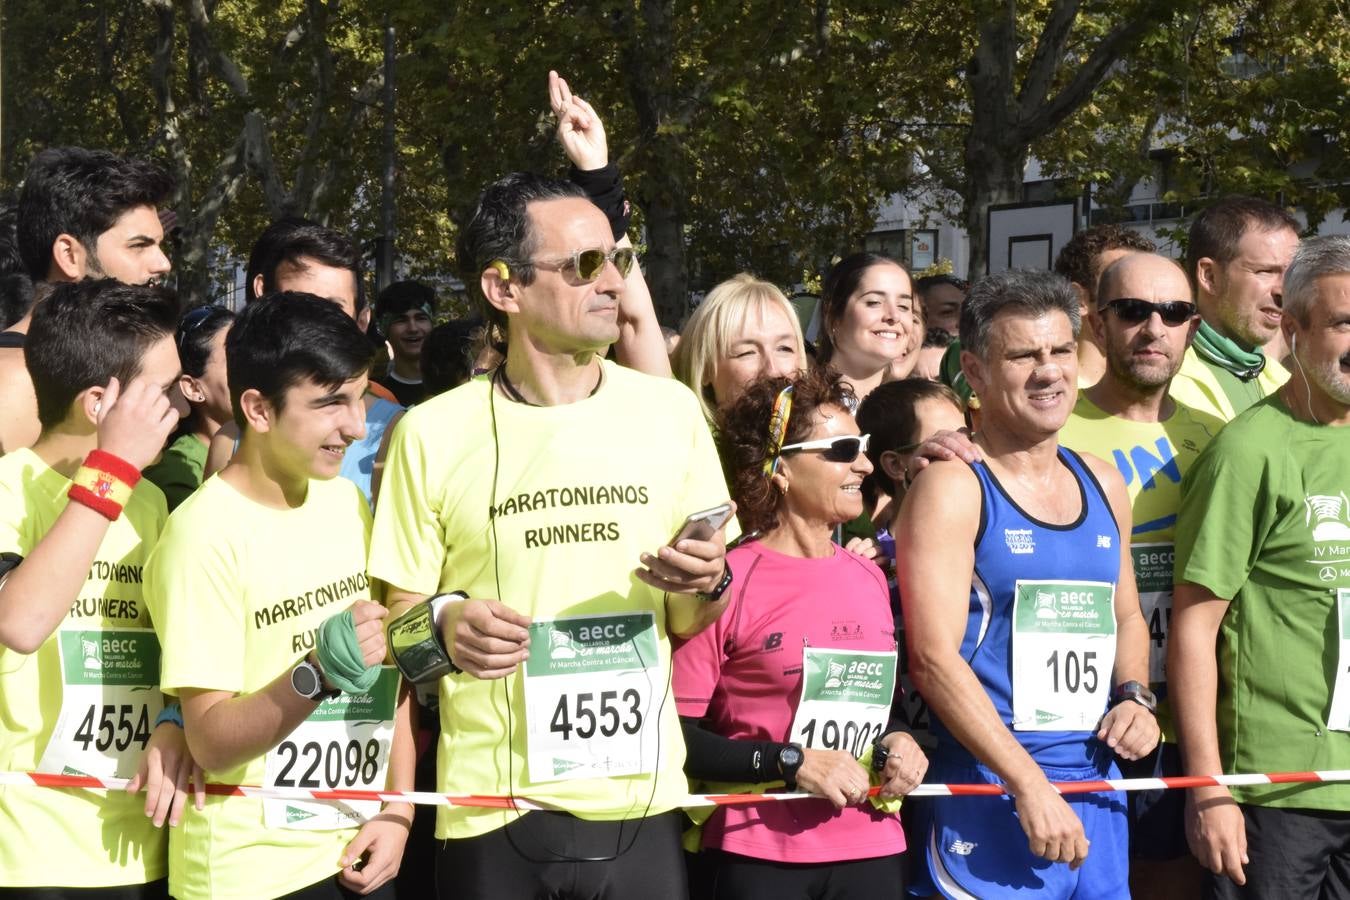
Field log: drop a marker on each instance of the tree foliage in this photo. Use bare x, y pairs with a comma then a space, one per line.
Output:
754, 135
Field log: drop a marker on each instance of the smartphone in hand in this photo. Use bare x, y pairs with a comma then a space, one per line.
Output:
701, 526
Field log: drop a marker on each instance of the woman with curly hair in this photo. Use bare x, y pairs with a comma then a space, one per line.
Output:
794, 683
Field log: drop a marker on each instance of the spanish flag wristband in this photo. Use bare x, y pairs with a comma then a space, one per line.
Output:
104, 483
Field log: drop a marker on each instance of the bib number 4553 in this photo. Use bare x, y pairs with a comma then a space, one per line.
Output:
615, 712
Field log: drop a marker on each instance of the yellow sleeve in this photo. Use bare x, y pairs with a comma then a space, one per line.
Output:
704, 484
195, 590
407, 546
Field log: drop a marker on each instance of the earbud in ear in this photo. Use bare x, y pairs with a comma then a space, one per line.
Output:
1293, 342
98, 406
502, 269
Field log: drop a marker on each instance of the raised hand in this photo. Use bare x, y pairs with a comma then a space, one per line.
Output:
580, 130
133, 423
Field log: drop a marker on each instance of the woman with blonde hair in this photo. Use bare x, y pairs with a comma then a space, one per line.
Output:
743, 330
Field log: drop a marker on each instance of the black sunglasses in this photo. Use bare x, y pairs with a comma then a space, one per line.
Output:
1133, 310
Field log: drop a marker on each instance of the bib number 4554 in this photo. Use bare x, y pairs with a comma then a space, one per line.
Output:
114, 727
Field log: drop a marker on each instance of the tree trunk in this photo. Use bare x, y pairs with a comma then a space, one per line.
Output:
647, 51
993, 176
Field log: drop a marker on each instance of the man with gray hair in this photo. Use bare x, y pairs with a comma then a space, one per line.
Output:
1259, 660
1023, 623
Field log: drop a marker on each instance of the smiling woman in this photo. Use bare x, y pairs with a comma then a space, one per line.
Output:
743, 330
756, 706
868, 321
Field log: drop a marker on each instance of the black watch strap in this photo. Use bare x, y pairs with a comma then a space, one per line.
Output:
716, 593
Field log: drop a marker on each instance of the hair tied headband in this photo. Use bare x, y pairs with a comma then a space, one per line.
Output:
778, 423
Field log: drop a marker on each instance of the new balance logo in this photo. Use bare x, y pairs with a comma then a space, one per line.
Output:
1104, 541
1019, 540
961, 848
774, 641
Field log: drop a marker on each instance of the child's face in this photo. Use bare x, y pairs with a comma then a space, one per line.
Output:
310, 434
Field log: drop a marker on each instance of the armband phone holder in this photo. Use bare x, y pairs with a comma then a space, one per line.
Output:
416, 645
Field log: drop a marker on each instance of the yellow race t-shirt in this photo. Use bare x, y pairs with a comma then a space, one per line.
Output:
556, 504
238, 590
74, 838
1152, 457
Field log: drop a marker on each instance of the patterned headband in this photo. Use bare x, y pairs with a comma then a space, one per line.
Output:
778, 424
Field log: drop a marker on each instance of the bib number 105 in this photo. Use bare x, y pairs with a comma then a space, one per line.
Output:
114, 727
615, 711
1072, 671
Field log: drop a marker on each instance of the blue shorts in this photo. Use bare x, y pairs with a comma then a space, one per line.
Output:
974, 847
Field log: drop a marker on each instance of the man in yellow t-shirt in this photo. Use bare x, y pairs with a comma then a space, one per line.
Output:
1144, 320
1238, 250
270, 635
79, 679
535, 491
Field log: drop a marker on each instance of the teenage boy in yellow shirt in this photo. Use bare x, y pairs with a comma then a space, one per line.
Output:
271, 635
79, 663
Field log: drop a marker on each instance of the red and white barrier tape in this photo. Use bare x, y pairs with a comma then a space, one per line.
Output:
39, 779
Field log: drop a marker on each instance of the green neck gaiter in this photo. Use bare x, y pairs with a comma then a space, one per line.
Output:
1226, 354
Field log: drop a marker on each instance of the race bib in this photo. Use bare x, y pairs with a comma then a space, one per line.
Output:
109, 701
1153, 575
846, 699
344, 744
592, 687
1339, 718
1063, 651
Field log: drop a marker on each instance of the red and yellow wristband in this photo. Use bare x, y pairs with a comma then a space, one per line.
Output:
104, 483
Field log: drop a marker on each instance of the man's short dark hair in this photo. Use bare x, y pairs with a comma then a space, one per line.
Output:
448, 354
1024, 292
82, 193
402, 296
499, 228
88, 332
16, 288
292, 239
1218, 228
922, 285
1079, 259
289, 337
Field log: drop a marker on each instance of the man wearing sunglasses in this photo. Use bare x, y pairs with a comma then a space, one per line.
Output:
522, 501
1237, 253
1260, 661
1022, 620
1143, 322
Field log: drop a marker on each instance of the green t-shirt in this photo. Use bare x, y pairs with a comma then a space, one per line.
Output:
579, 492
1265, 521
179, 471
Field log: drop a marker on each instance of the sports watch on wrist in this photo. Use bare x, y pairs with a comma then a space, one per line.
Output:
716, 593
790, 759
1136, 691
307, 681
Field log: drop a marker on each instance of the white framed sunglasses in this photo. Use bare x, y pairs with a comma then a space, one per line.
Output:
842, 449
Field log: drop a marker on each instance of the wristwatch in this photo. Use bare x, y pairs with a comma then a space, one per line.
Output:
1138, 692
307, 681
790, 759
716, 593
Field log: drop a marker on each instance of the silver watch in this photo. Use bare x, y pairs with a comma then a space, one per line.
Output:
307, 681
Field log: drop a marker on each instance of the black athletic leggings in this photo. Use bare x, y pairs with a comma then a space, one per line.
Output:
731, 876
155, 890
539, 855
